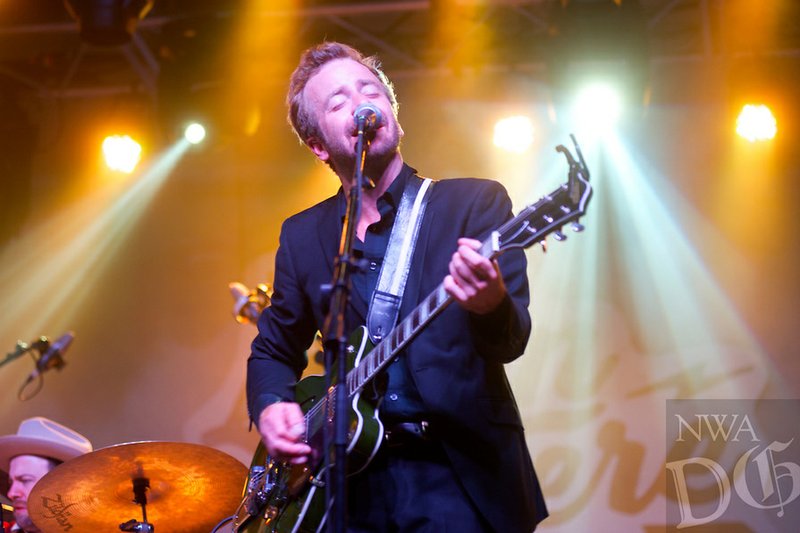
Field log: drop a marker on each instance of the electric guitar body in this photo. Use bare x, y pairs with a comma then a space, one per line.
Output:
291, 498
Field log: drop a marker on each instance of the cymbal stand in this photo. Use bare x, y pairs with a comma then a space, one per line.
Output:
140, 486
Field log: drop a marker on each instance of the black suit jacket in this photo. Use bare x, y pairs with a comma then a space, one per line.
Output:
456, 362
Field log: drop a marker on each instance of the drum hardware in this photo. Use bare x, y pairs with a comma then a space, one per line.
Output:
140, 486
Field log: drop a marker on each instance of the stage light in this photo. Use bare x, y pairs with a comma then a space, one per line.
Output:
121, 153
756, 123
514, 134
194, 133
597, 107
593, 42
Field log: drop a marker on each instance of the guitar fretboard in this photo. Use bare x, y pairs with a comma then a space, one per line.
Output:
407, 329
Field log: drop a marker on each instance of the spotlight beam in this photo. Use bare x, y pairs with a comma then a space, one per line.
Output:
45, 272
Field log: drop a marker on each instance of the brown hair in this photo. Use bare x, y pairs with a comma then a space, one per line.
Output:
311, 61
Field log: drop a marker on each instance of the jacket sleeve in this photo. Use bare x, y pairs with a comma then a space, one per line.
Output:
285, 330
502, 334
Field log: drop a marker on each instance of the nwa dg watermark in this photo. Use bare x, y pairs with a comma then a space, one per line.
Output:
733, 464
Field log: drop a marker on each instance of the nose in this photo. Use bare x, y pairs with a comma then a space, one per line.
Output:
359, 98
15, 491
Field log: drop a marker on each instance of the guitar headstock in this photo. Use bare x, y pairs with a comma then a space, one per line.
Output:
566, 204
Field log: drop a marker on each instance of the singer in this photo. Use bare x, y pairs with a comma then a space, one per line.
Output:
453, 456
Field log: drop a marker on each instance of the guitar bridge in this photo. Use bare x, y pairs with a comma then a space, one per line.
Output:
256, 496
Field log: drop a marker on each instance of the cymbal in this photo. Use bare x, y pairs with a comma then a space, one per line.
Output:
191, 488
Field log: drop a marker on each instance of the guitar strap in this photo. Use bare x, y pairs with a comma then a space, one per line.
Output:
384, 306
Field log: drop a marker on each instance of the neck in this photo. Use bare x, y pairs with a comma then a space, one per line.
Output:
29, 528
382, 177
369, 213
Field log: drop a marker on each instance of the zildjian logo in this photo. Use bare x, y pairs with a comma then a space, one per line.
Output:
58, 510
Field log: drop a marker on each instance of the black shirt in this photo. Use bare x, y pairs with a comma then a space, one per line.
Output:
401, 401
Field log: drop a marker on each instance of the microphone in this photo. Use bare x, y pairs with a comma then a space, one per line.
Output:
249, 303
370, 115
53, 357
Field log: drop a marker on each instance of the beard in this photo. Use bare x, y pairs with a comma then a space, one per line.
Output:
24, 521
380, 152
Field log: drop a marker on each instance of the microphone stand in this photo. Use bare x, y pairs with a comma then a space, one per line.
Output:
334, 338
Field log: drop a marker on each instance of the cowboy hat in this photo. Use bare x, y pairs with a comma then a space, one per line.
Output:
41, 436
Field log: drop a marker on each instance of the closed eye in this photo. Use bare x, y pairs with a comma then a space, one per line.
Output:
371, 90
337, 102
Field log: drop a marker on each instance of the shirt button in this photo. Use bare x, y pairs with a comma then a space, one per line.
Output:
373, 265
393, 397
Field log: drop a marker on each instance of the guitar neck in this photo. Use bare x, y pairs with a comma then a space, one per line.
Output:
565, 204
408, 328
400, 336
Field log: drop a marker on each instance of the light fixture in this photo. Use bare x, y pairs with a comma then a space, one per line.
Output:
194, 133
756, 123
597, 107
121, 153
108, 22
514, 134
599, 41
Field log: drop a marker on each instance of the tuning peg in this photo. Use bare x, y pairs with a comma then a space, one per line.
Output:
559, 236
577, 227
543, 244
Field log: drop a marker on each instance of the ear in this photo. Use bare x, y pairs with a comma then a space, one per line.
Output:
318, 148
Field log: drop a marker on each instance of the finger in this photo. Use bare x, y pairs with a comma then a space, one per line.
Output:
471, 243
482, 267
292, 433
282, 427
273, 421
462, 272
291, 451
454, 290
294, 419
469, 282
487, 270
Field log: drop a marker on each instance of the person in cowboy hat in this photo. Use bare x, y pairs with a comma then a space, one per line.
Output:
38, 446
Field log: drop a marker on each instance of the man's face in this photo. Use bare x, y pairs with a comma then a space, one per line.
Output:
332, 96
24, 471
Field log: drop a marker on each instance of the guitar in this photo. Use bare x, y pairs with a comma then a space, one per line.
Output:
282, 498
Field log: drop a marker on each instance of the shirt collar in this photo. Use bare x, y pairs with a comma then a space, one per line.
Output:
389, 200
